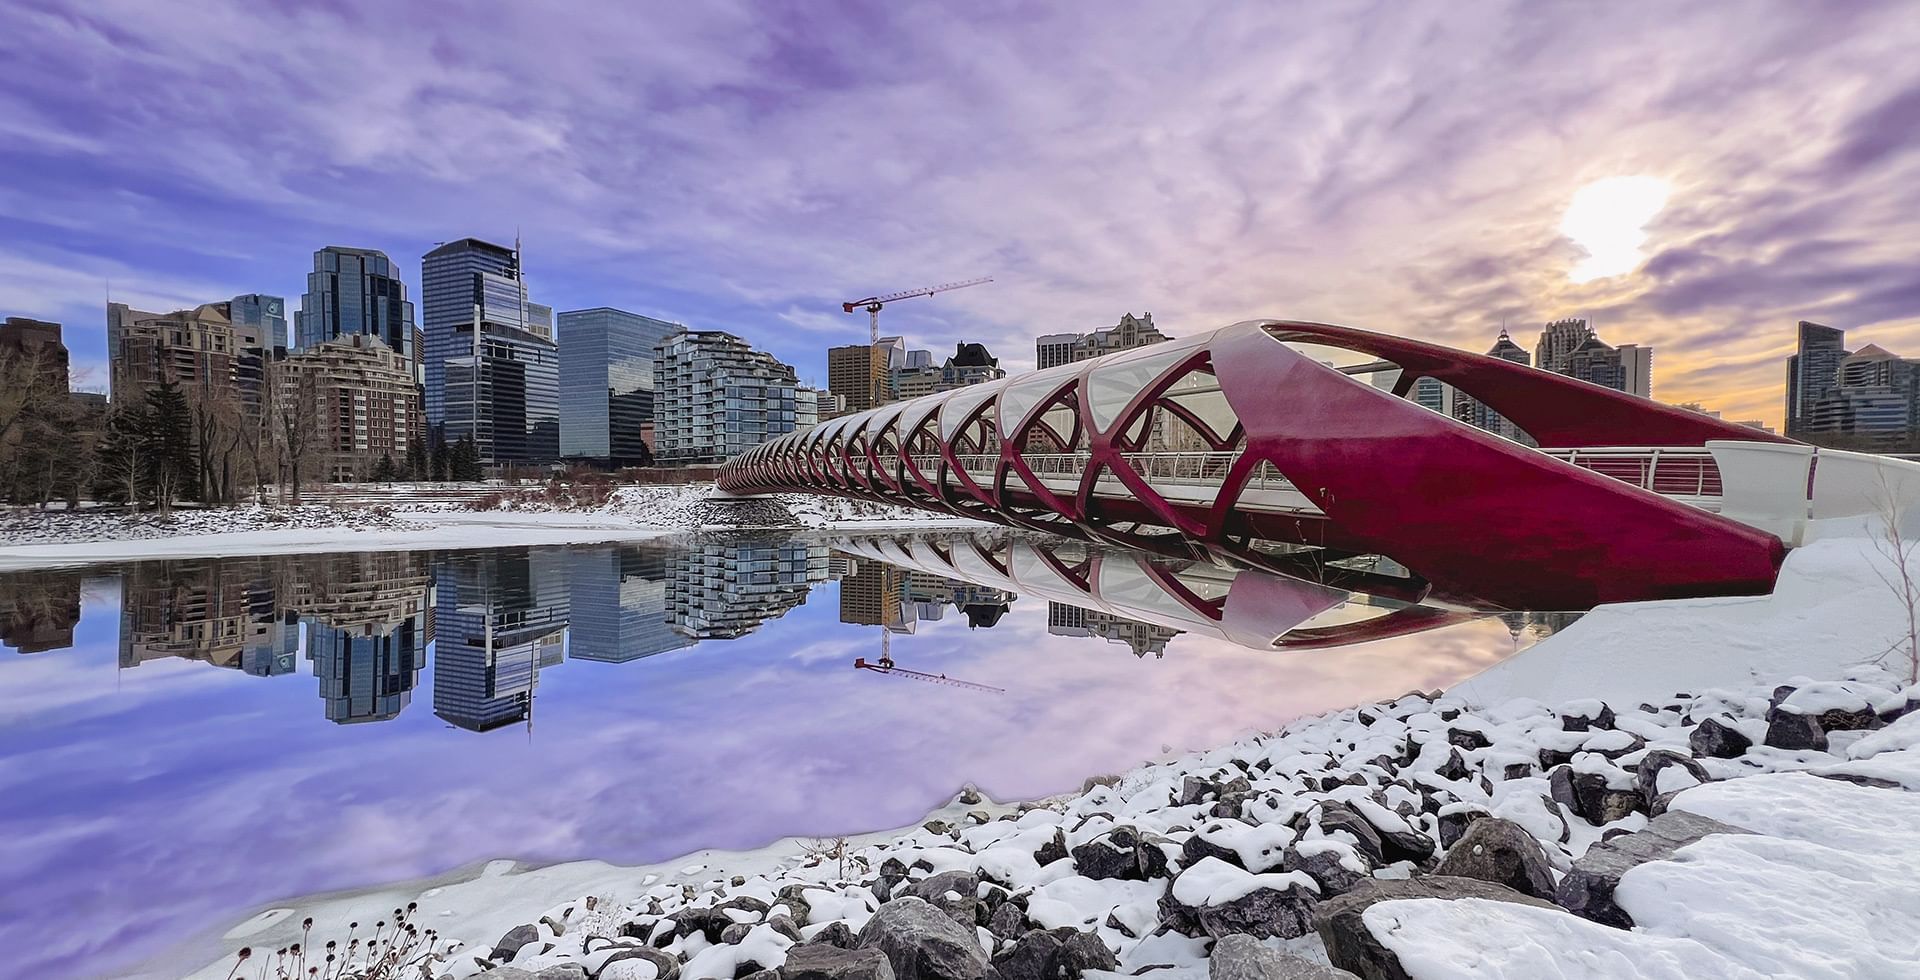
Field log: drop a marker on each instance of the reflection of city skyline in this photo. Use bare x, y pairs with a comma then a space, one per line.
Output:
481, 626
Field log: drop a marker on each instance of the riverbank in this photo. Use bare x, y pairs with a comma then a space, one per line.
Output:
36, 539
1485, 832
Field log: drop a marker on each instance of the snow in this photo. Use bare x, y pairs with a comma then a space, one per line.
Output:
1829, 610
632, 513
1211, 881
1487, 940
1904, 733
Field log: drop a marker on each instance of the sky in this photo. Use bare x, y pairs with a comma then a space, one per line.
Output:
1414, 168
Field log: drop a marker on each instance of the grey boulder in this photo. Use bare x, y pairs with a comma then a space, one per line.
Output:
1587, 890
1352, 946
1502, 852
824, 961
1246, 958
923, 943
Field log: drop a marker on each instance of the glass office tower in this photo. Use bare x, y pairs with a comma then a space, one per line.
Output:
356, 290
269, 313
606, 384
492, 370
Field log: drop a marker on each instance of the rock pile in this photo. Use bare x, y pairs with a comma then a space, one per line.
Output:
1204, 863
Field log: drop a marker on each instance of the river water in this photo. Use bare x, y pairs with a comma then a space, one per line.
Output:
184, 741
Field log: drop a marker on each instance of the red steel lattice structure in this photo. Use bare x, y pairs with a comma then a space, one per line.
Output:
1227, 441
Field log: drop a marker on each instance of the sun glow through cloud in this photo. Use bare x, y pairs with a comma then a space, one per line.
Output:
1606, 218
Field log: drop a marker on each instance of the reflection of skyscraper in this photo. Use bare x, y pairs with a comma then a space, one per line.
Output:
38, 611
727, 589
619, 604
929, 595
221, 611
1141, 638
501, 617
366, 674
870, 595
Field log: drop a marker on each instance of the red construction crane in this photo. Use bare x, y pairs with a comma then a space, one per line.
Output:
885, 666
874, 303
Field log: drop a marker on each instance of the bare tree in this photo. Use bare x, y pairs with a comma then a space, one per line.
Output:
298, 410
1890, 540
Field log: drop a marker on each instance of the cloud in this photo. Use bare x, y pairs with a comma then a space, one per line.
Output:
1402, 167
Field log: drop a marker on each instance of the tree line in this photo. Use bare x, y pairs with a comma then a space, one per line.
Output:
170, 444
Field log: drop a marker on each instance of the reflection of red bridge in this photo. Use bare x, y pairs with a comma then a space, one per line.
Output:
1249, 607
1243, 439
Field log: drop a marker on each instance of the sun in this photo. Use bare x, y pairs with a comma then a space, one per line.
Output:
1606, 217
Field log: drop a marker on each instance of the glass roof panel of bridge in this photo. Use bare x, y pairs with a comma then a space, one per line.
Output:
1028, 390
1032, 572
974, 568
1200, 394
916, 412
883, 418
1120, 377
961, 403
1128, 586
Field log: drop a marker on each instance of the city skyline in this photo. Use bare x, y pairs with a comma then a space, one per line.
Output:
1408, 172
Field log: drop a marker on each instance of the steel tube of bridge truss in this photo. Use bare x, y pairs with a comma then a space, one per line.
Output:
1237, 442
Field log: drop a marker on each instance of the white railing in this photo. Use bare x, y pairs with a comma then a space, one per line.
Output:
1675, 472
1195, 468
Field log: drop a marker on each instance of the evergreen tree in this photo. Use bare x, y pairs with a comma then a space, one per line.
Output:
416, 458
122, 469
384, 471
463, 461
168, 446
438, 462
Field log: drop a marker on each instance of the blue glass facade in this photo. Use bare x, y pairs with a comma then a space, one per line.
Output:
356, 290
269, 313
606, 384
619, 604
501, 618
503, 391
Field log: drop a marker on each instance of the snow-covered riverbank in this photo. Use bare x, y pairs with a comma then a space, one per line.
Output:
39, 540
1740, 825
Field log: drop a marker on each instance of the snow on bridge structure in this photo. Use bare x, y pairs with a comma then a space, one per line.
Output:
1253, 441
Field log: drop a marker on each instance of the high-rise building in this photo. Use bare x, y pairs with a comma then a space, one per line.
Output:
619, 604
806, 406
492, 370
1557, 342
1812, 373
37, 347
356, 291
221, 611
970, 364
38, 612
200, 350
722, 590
268, 314
501, 619
606, 384
366, 674
1571, 347
716, 397
1871, 402
858, 375
1053, 350
1474, 412
361, 400
1139, 637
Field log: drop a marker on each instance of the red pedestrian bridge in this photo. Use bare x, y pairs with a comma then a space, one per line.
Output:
1256, 443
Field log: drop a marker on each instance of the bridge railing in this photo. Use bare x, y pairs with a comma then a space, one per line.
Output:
1670, 471
1675, 472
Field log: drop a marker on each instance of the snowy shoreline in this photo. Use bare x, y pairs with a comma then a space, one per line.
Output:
35, 540
1339, 836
